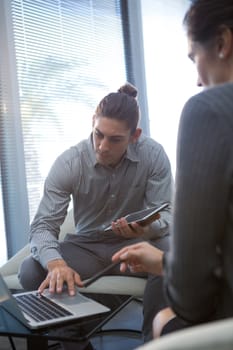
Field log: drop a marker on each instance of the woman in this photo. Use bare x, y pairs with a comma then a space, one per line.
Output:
198, 269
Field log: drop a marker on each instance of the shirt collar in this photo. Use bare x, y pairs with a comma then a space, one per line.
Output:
132, 153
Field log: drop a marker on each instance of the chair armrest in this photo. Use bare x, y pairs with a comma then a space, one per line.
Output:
12, 265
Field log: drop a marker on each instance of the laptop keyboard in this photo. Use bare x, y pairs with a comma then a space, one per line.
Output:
40, 308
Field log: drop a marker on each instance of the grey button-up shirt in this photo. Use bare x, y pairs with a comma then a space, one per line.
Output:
100, 194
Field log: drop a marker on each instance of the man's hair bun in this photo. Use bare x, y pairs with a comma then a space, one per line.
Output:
128, 89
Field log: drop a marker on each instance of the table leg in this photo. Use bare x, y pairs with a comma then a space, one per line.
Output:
34, 342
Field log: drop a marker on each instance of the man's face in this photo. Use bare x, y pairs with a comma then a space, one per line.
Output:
111, 138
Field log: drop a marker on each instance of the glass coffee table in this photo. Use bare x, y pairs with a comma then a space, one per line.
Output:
74, 331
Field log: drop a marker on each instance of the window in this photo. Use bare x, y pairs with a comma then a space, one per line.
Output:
170, 75
2, 229
63, 57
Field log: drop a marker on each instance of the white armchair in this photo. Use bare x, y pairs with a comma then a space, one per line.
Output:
210, 336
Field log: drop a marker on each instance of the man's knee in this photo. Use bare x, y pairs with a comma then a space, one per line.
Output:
31, 274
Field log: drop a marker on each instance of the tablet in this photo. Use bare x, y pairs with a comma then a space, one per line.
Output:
143, 217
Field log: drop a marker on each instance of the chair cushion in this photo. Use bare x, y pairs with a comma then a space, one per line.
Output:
12, 282
124, 285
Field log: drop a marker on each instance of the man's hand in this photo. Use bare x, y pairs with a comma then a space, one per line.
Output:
122, 228
140, 257
58, 274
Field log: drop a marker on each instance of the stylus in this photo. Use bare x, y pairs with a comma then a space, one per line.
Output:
100, 273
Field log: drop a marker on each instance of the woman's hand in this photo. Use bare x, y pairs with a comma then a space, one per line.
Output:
140, 257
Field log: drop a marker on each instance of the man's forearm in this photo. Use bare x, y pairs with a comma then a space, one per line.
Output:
44, 247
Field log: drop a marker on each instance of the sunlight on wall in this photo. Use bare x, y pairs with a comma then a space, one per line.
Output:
170, 75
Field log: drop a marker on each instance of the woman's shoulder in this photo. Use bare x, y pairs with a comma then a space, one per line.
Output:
213, 102
216, 96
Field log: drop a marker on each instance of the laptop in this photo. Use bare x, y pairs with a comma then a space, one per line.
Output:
38, 311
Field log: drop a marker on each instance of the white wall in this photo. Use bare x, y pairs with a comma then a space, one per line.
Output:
170, 75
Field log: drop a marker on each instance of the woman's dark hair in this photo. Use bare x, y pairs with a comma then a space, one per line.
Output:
121, 105
205, 18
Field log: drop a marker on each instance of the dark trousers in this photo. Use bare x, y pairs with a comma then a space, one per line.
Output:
88, 255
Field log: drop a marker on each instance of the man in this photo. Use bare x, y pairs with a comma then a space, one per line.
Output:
116, 171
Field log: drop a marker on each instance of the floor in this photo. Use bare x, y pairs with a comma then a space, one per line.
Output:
114, 337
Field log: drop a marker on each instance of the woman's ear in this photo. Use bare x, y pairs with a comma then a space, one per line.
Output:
225, 42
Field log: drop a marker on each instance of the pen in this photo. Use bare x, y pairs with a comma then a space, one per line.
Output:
100, 273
